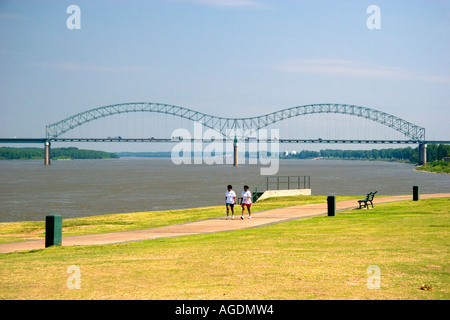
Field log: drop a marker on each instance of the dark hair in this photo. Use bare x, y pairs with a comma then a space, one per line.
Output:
246, 186
229, 186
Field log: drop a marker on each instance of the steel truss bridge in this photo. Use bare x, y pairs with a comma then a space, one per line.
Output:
229, 127
232, 129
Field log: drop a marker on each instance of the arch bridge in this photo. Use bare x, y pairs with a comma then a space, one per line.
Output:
227, 126
232, 128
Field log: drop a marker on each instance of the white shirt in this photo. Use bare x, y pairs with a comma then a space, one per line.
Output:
230, 196
246, 195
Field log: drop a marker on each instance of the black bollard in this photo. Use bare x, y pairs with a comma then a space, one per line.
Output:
53, 230
416, 193
331, 202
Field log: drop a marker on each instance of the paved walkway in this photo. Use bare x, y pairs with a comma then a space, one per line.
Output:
220, 224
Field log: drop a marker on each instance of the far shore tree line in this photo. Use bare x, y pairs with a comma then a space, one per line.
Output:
7, 153
434, 153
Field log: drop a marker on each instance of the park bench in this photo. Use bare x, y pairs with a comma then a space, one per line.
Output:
368, 200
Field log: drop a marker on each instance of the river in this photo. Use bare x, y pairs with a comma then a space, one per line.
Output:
76, 188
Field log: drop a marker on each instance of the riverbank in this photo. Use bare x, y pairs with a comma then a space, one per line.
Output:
439, 166
406, 241
211, 225
34, 230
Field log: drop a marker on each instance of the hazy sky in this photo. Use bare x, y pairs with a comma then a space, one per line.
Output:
232, 58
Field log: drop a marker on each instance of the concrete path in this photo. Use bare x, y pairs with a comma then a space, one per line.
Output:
220, 224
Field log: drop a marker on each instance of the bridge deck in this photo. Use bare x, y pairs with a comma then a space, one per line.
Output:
168, 140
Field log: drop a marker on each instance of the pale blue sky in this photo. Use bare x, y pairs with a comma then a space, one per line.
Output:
224, 57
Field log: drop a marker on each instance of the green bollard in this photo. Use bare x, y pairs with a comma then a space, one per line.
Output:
416, 193
53, 230
331, 202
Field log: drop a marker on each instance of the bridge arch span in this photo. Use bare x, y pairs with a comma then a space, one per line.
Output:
222, 124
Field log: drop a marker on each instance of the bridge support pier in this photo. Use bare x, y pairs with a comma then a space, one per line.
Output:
422, 154
235, 155
47, 153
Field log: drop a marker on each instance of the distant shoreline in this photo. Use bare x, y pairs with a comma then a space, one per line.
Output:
70, 153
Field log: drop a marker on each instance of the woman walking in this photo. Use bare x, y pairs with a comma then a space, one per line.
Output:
246, 202
230, 200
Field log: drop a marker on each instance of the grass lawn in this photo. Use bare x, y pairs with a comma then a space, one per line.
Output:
312, 258
31, 230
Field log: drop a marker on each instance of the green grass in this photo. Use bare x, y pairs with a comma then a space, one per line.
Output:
438, 166
312, 258
30, 230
